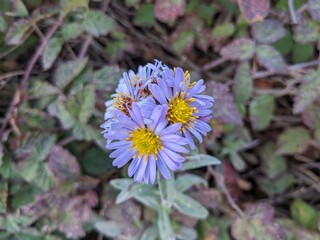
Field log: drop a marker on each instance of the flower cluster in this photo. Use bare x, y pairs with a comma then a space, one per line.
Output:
153, 116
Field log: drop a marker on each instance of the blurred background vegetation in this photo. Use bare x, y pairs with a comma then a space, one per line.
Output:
61, 60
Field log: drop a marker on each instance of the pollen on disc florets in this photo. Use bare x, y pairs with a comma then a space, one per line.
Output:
145, 141
180, 111
122, 101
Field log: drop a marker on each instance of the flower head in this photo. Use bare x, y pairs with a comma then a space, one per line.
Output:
149, 145
152, 116
186, 103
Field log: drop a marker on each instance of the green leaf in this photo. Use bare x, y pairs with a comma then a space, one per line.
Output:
164, 224
273, 165
151, 233
304, 214
95, 162
199, 160
189, 206
277, 186
293, 140
68, 71
109, 228
303, 53
58, 109
309, 91
285, 44
85, 132
307, 32
17, 32
185, 233
268, 31
18, 9
314, 9
261, 111
148, 196
239, 49
271, 59
97, 23
41, 88
51, 52
223, 30
183, 41
121, 183
71, 30
145, 15
243, 83
81, 105
167, 190
71, 5
3, 24
184, 182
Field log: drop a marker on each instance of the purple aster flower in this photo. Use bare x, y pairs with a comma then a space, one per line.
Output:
148, 144
186, 104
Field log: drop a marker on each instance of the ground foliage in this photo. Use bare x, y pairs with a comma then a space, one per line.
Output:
61, 60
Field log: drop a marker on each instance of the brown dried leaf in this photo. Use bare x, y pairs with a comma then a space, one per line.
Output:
254, 10
224, 106
167, 11
63, 164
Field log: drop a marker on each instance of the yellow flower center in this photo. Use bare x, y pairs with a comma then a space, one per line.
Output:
180, 110
145, 141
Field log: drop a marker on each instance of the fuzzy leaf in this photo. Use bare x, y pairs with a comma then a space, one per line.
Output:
189, 206
16, 33
239, 49
224, 107
199, 160
18, 9
223, 30
164, 224
309, 91
314, 9
167, 191
268, 31
168, 11
254, 10
243, 83
59, 110
293, 140
51, 52
109, 228
271, 59
41, 88
150, 233
63, 164
261, 111
184, 182
97, 23
185, 233
258, 223
3, 24
68, 71
307, 32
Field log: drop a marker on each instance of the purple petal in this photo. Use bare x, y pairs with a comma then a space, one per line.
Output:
136, 114
188, 135
175, 139
171, 129
133, 166
158, 94
115, 145
163, 168
174, 156
169, 162
175, 147
141, 171
123, 158
179, 77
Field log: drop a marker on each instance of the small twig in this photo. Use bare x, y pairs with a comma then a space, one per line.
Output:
11, 74
291, 69
67, 140
85, 46
220, 182
213, 64
24, 82
292, 12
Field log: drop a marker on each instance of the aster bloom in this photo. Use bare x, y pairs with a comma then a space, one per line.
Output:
147, 144
186, 103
